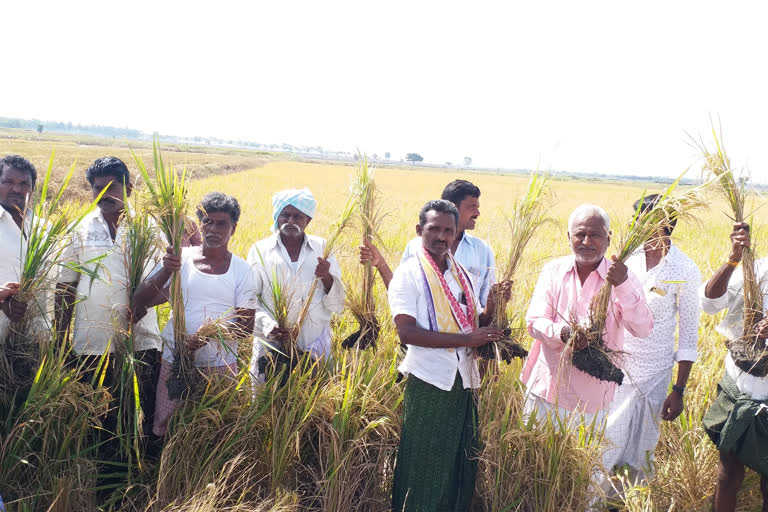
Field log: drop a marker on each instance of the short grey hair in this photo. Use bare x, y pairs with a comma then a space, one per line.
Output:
587, 211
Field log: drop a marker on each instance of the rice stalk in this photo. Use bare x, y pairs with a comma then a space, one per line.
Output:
140, 244
337, 229
46, 226
749, 352
596, 359
167, 197
527, 216
361, 300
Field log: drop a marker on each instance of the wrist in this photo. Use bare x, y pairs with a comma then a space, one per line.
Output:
733, 260
680, 390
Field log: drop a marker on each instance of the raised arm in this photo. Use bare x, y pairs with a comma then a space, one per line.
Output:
370, 253
155, 289
717, 285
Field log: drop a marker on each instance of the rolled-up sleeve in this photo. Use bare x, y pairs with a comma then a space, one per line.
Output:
542, 320
689, 317
264, 322
632, 308
726, 300
333, 301
403, 293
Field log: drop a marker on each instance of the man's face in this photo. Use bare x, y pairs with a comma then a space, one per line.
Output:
438, 233
15, 188
469, 211
217, 229
589, 240
292, 223
112, 200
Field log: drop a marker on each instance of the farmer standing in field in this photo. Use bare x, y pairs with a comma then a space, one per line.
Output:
670, 282
438, 316
292, 260
563, 293
100, 305
17, 182
218, 288
736, 422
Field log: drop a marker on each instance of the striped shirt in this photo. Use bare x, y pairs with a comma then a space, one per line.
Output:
475, 255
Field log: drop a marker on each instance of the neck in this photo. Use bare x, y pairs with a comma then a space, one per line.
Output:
457, 241
441, 261
112, 218
655, 251
584, 269
291, 242
215, 252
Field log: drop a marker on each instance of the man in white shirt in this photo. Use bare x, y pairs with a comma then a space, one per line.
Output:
670, 281
295, 259
217, 287
100, 305
736, 420
438, 316
17, 181
474, 254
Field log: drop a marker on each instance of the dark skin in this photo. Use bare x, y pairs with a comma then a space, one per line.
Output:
292, 224
589, 239
15, 187
111, 205
437, 234
730, 472
214, 258
655, 249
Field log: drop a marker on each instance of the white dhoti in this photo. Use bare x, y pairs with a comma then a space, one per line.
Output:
632, 428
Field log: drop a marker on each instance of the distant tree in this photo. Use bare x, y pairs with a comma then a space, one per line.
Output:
375, 156
467, 161
39, 128
414, 157
355, 157
448, 164
387, 155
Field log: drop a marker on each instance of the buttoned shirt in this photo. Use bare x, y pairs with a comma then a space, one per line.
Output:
269, 260
559, 297
102, 306
10, 266
477, 258
671, 290
732, 325
436, 366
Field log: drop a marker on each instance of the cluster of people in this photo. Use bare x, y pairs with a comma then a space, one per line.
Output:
442, 299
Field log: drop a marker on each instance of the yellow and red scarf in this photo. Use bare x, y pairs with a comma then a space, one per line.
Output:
445, 312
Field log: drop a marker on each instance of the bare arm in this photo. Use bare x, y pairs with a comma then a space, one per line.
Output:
154, 290
411, 334
718, 283
370, 253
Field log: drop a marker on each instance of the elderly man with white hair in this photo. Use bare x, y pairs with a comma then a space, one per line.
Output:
294, 259
562, 295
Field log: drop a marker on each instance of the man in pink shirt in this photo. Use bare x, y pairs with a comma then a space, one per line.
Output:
563, 292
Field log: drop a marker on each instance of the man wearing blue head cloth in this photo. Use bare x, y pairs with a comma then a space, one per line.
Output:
294, 259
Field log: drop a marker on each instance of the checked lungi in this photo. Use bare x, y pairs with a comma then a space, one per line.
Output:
738, 425
439, 444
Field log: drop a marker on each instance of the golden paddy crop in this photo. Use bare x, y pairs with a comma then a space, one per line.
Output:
327, 439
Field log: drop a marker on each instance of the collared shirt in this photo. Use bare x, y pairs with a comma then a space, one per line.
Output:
559, 297
732, 325
475, 255
436, 366
269, 258
671, 289
103, 302
10, 267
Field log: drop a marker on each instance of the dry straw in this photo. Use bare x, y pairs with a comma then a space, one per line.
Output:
749, 352
167, 198
597, 359
527, 216
362, 303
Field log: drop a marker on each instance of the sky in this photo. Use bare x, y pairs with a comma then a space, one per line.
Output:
611, 87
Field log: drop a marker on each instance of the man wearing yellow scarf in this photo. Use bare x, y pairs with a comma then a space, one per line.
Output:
437, 315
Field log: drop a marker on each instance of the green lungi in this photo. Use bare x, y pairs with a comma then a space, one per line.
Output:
738, 425
439, 444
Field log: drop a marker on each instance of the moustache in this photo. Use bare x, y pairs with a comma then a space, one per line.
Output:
289, 227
